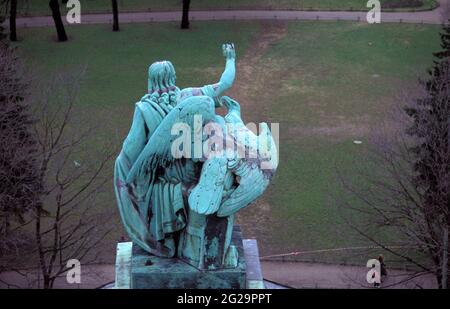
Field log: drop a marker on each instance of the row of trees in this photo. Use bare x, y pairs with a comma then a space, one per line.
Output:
10, 7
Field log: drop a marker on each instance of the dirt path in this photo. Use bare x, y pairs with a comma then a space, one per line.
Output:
251, 81
428, 17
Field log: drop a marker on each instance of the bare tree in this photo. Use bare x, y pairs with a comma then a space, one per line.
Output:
56, 14
71, 226
185, 16
68, 214
12, 21
403, 186
115, 10
10, 6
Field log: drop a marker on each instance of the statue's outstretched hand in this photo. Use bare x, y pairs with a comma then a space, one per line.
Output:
228, 51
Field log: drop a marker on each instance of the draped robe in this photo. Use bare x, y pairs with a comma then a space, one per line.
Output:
154, 210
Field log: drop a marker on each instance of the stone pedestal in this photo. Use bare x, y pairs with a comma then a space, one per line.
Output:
210, 242
136, 269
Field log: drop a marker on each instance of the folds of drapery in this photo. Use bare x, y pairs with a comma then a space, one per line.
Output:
153, 209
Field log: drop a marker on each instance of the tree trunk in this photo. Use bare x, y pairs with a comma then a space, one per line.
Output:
115, 15
185, 18
12, 21
56, 14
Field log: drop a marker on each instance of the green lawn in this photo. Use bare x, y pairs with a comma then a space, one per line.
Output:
338, 81
326, 83
40, 7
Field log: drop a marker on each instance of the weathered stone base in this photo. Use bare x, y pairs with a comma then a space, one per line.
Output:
137, 269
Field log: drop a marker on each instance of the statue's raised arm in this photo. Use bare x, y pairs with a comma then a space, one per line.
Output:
226, 81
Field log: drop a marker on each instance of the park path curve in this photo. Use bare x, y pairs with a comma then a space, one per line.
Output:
426, 17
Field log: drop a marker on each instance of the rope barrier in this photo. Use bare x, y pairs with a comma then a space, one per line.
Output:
335, 250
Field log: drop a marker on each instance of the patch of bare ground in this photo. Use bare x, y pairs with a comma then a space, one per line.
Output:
252, 81
252, 78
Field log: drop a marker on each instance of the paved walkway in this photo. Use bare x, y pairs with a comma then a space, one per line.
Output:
332, 276
294, 274
427, 17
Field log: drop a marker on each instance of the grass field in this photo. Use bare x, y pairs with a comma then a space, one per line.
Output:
326, 83
40, 7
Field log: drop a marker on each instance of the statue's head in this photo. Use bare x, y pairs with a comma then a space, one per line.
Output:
161, 77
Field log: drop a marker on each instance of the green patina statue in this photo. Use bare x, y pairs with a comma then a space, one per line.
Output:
177, 188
